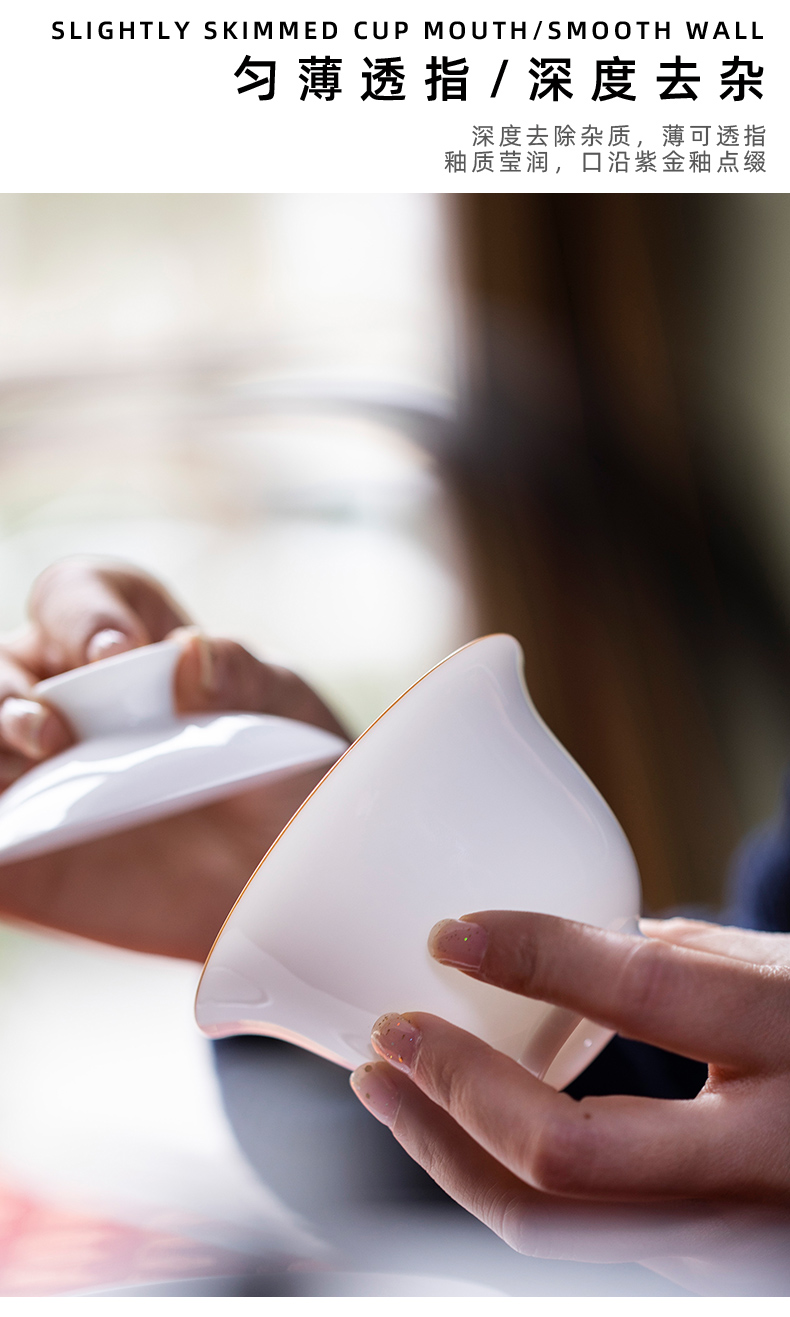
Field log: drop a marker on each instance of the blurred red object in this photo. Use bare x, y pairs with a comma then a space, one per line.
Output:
47, 1249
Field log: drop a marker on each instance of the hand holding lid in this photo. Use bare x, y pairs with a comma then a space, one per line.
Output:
138, 759
144, 831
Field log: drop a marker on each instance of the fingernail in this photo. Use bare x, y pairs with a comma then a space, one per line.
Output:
30, 727
377, 1092
191, 638
458, 942
106, 643
397, 1040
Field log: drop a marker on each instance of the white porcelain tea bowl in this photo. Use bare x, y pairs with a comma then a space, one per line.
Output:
457, 799
137, 759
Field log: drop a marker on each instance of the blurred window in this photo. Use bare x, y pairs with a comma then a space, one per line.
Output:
242, 394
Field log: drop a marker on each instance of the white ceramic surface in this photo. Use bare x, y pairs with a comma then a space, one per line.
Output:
137, 759
457, 799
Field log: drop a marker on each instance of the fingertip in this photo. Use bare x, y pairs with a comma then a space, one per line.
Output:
665, 927
650, 926
33, 729
183, 634
460, 943
196, 671
434, 937
107, 642
678, 931
373, 1084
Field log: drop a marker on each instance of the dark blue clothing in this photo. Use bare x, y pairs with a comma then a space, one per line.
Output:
759, 888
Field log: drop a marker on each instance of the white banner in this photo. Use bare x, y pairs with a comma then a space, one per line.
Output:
392, 97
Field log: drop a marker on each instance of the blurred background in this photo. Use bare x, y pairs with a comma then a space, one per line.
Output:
354, 433
238, 392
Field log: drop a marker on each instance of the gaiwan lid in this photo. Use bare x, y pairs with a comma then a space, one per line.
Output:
137, 759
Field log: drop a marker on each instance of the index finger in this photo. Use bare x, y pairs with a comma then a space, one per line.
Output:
705, 1006
602, 1147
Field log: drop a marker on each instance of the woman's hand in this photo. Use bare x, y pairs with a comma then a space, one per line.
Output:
496, 1138
166, 886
